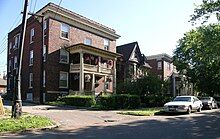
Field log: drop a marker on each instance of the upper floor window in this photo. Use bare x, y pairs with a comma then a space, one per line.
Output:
10, 46
30, 80
44, 52
159, 65
17, 41
63, 82
168, 66
64, 56
32, 35
45, 25
15, 62
9, 64
31, 60
65, 30
106, 44
88, 41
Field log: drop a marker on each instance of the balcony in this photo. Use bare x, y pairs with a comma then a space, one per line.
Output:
90, 68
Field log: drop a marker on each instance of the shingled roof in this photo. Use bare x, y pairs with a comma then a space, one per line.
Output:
126, 50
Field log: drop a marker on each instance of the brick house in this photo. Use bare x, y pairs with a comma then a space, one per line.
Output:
162, 66
133, 64
64, 53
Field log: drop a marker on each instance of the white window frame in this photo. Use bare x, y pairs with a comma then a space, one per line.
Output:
31, 58
15, 62
159, 65
64, 53
44, 78
66, 29
106, 44
10, 46
45, 24
32, 35
44, 52
67, 79
17, 41
88, 41
31, 80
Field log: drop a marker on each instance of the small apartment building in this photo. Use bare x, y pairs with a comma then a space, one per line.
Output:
162, 66
64, 53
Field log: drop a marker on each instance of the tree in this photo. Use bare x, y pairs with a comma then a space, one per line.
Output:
198, 56
205, 10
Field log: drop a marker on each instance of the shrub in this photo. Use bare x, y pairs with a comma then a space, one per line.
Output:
155, 100
82, 101
119, 101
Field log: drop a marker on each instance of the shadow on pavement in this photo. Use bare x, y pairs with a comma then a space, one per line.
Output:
202, 127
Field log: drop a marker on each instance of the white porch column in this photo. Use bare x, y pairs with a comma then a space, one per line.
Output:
104, 87
93, 82
99, 64
114, 76
81, 79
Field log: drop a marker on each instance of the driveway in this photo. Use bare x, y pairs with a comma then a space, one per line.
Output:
80, 123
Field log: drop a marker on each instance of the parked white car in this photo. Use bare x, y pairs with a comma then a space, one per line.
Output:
183, 104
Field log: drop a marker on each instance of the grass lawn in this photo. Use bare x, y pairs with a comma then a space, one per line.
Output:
56, 103
26, 122
142, 112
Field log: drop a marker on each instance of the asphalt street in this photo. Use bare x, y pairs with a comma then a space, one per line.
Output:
85, 124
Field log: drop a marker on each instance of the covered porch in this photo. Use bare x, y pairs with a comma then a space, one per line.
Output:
92, 70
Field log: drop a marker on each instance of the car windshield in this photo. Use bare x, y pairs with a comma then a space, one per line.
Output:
182, 99
205, 98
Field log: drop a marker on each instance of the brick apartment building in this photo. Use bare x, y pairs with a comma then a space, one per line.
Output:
133, 64
64, 53
162, 66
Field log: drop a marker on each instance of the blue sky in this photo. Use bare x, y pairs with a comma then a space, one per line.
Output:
155, 24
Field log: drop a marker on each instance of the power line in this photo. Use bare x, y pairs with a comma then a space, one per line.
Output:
34, 6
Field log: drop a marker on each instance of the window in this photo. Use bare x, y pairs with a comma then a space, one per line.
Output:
45, 25
15, 62
44, 52
10, 46
159, 65
64, 56
9, 64
32, 36
31, 60
88, 41
65, 30
44, 78
168, 66
106, 44
63, 83
31, 80
17, 41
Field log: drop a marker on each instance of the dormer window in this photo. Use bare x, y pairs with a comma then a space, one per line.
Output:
106, 44
65, 30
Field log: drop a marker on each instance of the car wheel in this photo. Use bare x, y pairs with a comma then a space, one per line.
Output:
189, 110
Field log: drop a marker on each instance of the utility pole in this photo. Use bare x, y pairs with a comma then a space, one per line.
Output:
17, 107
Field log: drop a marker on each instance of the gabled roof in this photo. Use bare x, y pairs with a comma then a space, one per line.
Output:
126, 50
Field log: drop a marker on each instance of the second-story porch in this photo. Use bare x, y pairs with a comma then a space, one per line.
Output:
90, 66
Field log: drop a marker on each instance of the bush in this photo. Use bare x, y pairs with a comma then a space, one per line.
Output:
155, 100
119, 101
81, 101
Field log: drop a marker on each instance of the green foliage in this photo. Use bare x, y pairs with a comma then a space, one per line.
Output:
197, 55
76, 100
119, 101
150, 84
155, 100
24, 123
204, 11
141, 112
